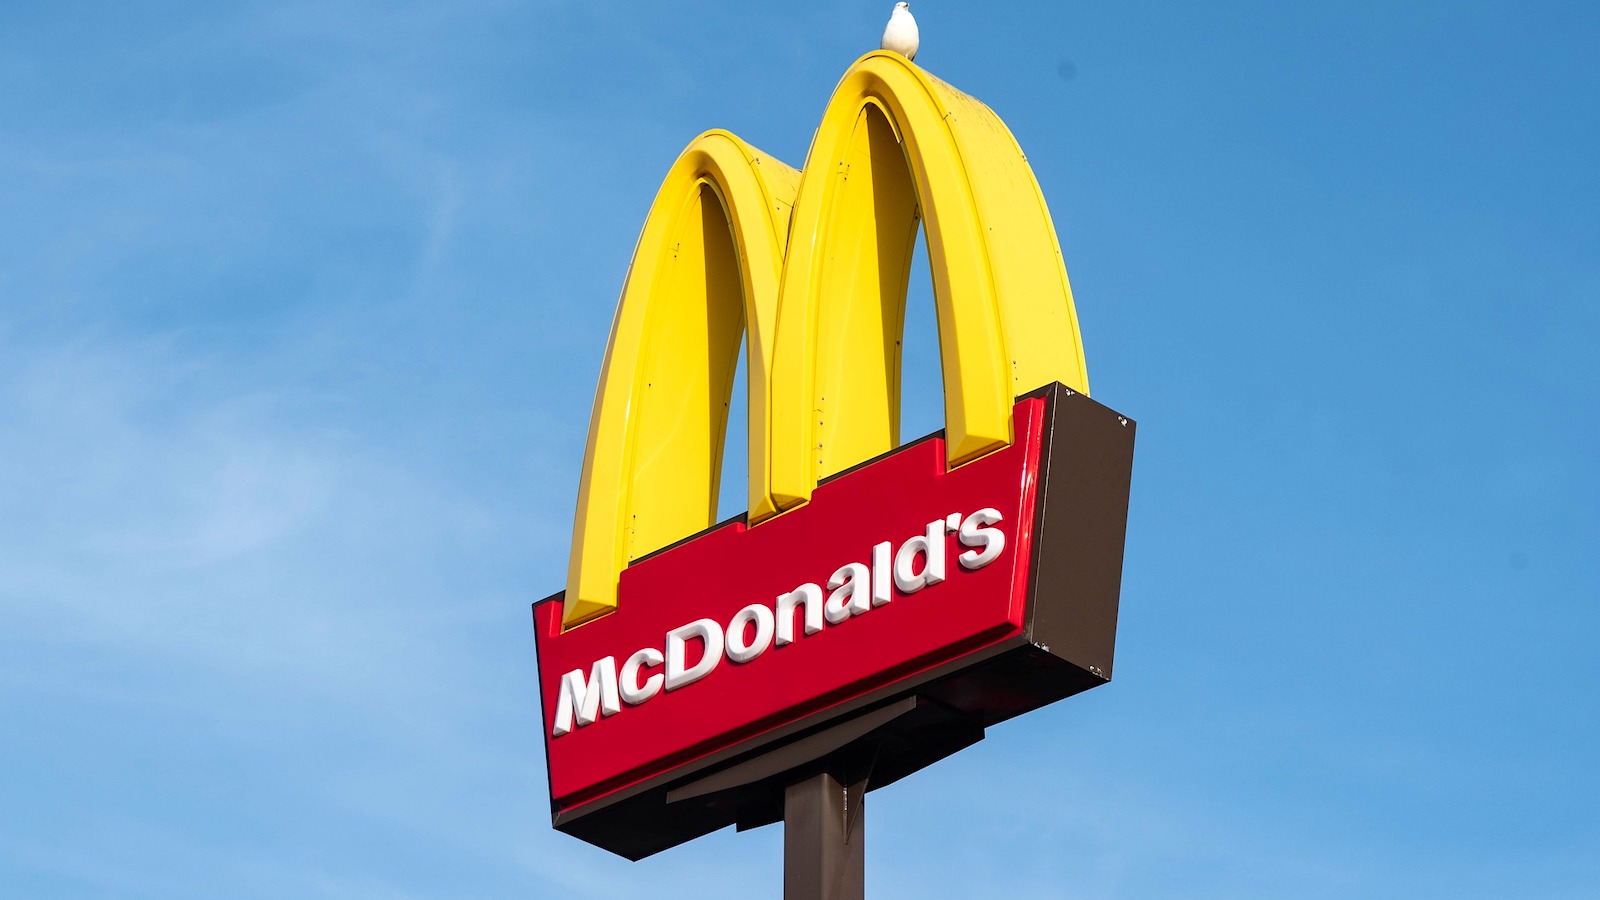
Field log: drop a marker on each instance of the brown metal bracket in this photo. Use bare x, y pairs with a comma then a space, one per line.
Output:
823, 857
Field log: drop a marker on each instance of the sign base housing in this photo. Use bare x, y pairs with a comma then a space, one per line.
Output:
1071, 462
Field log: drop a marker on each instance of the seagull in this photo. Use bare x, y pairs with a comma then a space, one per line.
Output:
900, 35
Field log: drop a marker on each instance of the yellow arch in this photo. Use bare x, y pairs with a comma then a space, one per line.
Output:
815, 268
704, 272
893, 143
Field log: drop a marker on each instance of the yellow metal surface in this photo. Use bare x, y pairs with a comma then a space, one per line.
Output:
815, 268
1006, 320
705, 270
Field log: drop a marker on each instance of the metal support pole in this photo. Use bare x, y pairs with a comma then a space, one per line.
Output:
824, 840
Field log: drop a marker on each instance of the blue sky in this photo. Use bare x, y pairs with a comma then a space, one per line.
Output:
301, 309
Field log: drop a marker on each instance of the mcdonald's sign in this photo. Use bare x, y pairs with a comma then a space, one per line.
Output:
880, 604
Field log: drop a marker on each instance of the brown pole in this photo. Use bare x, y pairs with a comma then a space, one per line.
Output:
824, 840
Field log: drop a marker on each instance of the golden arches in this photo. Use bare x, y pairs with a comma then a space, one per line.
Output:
705, 271
1006, 319
823, 295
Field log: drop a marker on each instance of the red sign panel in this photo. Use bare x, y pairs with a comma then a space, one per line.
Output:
894, 568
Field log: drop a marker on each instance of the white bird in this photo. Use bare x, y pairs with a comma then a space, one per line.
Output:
900, 35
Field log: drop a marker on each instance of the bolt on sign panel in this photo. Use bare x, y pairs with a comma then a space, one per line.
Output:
879, 605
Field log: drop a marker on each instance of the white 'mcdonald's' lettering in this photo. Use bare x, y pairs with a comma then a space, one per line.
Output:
634, 693
587, 699
710, 635
852, 589
758, 616
810, 597
931, 547
695, 649
974, 533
